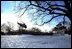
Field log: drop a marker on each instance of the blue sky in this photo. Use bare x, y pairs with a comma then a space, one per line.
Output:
7, 8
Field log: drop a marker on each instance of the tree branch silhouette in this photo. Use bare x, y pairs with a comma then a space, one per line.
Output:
47, 7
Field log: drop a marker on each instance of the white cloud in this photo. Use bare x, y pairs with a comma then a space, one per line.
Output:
10, 17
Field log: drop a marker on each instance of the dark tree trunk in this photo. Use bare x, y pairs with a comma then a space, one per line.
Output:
69, 13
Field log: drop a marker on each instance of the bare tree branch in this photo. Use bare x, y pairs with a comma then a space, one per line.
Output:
24, 11
49, 8
48, 20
